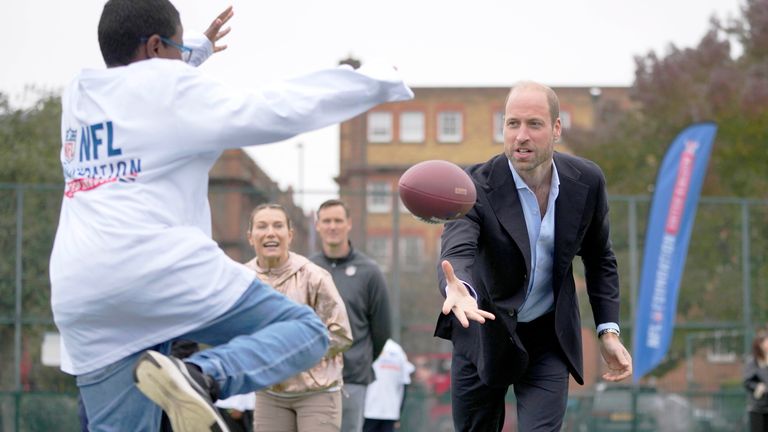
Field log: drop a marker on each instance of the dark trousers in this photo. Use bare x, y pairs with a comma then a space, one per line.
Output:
541, 392
375, 425
758, 422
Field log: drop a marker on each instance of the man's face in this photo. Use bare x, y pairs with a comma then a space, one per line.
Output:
333, 226
529, 135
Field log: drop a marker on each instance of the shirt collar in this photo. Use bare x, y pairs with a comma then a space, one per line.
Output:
520, 183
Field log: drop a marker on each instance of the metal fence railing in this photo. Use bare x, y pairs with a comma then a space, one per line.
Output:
724, 289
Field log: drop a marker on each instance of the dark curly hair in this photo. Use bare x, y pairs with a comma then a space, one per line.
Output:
124, 23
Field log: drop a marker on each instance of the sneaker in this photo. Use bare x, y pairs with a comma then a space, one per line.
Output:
168, 383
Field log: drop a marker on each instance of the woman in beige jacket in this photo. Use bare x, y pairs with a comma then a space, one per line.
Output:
311, 400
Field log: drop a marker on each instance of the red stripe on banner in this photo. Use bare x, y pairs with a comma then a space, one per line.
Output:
682, 184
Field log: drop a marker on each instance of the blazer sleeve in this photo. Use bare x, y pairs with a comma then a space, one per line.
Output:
600, 267
458, 245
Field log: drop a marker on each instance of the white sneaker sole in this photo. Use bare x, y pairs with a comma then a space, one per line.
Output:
161, 381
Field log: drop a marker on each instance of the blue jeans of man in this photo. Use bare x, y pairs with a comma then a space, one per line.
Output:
263, 339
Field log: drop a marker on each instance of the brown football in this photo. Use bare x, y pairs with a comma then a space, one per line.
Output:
437, 191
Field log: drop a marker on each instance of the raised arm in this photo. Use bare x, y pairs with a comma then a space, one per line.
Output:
215, 33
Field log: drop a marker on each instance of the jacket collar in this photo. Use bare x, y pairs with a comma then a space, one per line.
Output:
341, 260
502, 196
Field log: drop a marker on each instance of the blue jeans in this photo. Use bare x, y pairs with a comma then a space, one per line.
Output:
262, 340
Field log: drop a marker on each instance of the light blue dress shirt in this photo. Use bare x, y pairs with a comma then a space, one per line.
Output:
541, 236
541, 232
539, 298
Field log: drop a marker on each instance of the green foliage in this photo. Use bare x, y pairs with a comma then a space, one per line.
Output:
29, 142
29, 164
705, 83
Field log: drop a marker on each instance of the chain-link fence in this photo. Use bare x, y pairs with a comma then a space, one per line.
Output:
723, 299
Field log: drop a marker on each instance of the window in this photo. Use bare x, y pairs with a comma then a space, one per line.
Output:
565, 119
411, 252
498, 127
379, 197
378, 247
380, 127
412, 127
449, 124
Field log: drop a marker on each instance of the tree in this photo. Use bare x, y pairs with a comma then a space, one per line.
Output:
29, 143
708, 82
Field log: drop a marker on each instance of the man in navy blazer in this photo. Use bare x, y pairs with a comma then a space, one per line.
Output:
506, 273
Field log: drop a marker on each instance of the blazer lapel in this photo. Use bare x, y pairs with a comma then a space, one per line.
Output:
506, 205
569, 209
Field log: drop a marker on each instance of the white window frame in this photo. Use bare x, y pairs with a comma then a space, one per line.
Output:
498, 126
412, 126
379, 196
450, 126
385, 244
379, 125
565, 119
411, 261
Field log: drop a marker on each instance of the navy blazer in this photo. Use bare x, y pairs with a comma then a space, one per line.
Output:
489, 249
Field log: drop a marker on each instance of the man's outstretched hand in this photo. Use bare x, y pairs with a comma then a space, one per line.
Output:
214, 32
459, 301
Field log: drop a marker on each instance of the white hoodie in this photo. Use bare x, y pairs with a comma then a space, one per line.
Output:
133, 263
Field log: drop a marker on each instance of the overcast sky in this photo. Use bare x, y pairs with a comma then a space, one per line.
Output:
433, 43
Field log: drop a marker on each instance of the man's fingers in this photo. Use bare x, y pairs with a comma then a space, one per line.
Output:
461, 316
620, 367
480, 315
447, 306
615, 376
475, 316
450, 276
486, 314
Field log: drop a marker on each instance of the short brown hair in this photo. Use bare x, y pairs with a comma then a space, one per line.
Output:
332, 203
273, 206
552, 101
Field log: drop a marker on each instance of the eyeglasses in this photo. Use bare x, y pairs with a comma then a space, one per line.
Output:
186, 52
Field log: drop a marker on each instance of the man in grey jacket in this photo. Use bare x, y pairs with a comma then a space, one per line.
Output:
362, 288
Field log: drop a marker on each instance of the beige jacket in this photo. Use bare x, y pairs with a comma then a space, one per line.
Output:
306, 283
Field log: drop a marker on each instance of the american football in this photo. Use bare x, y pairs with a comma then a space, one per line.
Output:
437, 191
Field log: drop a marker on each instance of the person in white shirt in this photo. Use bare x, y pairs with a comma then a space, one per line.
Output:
133, 264
384, 396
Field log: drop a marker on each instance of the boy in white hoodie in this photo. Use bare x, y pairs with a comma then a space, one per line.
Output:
133, 265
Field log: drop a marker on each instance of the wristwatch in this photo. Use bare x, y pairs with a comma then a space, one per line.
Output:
608, 330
